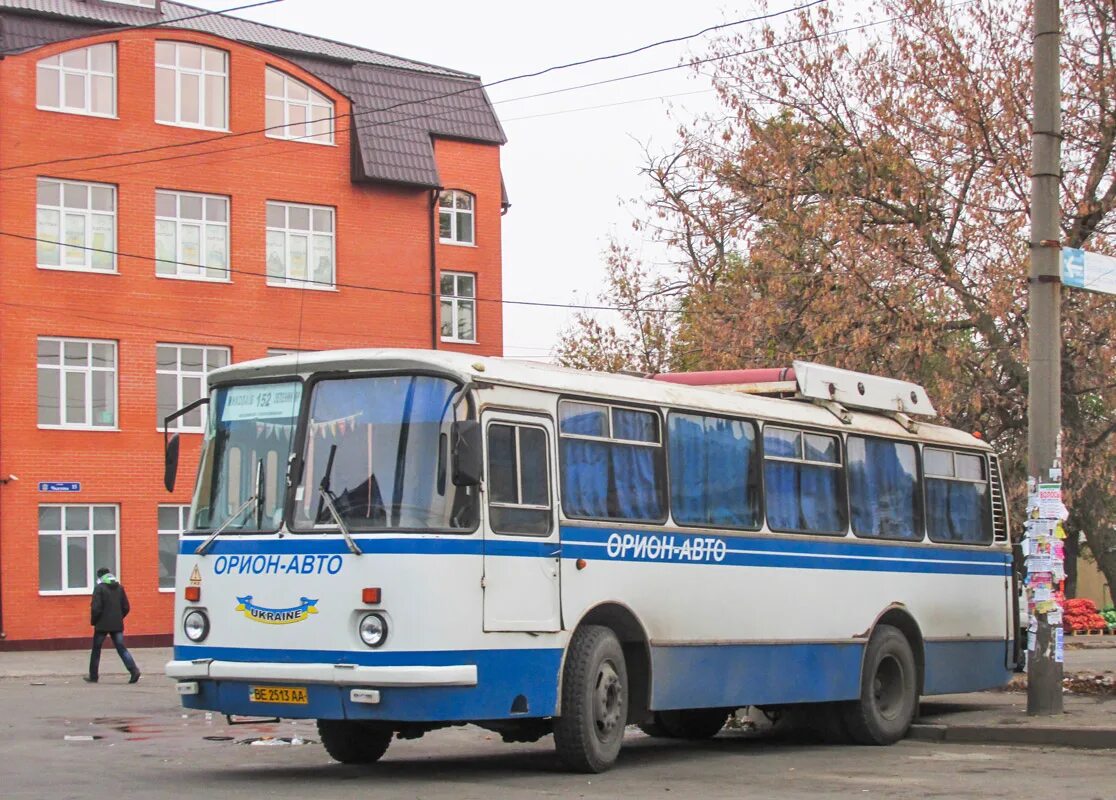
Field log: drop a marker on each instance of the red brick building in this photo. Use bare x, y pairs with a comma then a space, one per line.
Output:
180, 189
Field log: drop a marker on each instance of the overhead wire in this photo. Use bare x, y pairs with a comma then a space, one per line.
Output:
417, 101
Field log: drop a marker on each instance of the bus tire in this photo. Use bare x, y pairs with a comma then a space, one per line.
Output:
590, 730
353, 742
693, 724
888, 690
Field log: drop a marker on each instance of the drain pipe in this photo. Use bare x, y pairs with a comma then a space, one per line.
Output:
435, 304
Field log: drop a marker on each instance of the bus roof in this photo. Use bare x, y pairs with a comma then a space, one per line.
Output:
583, 383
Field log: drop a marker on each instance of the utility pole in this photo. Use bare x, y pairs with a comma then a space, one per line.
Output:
1044, 410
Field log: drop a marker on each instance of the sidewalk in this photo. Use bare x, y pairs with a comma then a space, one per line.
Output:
984, 717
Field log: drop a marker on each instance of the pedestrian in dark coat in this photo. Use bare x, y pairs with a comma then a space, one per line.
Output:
106, 615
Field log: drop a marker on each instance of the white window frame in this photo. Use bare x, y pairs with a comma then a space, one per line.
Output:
87, 534
183, 512
288, 233
201, 73
88, 371
283, 128
86, 214
179, 425
140, 3
182, 267
455, 301
452, 211
54, 69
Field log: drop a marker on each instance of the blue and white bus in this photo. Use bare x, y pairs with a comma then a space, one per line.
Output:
394, 541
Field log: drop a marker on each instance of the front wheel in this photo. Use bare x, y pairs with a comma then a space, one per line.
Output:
354, 742
590, 730
888, 690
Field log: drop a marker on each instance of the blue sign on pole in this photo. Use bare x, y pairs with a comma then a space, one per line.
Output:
59, 486
1087, 270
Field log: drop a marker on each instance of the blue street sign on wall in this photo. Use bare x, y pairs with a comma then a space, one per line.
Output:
59, 486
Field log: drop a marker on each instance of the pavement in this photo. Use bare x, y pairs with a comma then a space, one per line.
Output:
999, 717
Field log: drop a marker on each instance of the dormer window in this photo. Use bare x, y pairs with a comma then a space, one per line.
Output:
295, 111
81, 81
140, 3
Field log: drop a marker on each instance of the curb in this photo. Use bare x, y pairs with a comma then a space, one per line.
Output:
1081, 738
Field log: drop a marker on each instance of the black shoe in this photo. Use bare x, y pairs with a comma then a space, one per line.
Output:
135, 677
87, 679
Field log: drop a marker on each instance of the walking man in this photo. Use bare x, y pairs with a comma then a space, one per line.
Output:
107, 612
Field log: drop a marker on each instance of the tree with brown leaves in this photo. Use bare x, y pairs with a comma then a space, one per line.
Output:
864, 202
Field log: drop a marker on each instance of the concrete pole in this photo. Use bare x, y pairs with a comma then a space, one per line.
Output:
1044, 414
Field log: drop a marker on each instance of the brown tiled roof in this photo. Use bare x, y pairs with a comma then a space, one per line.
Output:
393, 145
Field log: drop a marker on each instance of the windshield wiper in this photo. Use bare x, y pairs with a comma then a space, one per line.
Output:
329, 500
256, 498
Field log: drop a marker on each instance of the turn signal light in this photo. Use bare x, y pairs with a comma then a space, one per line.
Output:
193, 593
370, 595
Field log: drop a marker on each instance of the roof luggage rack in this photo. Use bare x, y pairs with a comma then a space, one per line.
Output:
835, 389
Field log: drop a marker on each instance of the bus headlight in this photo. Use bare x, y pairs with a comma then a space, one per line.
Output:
196, 626
373, 630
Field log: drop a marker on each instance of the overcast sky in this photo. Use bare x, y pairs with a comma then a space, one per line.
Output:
568, 163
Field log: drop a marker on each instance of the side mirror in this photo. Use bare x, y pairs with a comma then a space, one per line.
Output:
465, 453
170, 466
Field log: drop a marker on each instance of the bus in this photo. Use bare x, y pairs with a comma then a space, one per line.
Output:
395, 541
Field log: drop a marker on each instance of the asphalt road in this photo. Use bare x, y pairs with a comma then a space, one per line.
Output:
146, 746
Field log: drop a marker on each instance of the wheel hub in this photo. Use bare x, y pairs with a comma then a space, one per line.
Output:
887, 687
607, 700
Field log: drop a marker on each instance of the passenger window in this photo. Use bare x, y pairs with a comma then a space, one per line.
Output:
802, 482
958, 507
883, 489
612, 462
518, 480
714, 472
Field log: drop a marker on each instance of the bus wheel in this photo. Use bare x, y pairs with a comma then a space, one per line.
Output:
687, 723
354, 742
888, 690
590, 730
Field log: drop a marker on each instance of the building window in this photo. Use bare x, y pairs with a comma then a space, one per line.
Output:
191, 85
459, 307
142, 3
173, 520
295, 111
81, 81
180, 371
299, 246
77, 383
75, 225
74, 542
192, 236
455, 217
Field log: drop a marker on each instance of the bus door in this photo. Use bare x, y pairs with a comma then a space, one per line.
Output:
521, 548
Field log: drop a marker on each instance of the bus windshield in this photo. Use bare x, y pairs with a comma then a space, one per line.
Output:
242, 476
380, 447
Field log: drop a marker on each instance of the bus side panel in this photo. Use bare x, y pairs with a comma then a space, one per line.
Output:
964, 666
738, 675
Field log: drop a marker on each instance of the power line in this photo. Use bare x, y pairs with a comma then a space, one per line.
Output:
331, 284
155, 24
434, 115
403, 103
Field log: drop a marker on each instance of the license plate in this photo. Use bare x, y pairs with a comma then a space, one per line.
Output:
292, 695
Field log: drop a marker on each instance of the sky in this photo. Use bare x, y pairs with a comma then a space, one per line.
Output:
572, 159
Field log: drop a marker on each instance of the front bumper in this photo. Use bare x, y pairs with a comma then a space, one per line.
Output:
334, 674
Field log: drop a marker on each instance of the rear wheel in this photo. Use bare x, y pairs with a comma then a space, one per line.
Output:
354, 742
888, 690
590, 730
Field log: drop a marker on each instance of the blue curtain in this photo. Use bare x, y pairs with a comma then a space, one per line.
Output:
966, 512
633, 467
710, 459
585, 469
821, 501
882, 487
689, 469
937, 510
781, 489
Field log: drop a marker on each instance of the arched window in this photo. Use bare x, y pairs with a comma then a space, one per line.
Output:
455, 217
81, 81
295, 111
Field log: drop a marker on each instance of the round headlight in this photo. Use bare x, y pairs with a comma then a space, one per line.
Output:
196, 626
373, 630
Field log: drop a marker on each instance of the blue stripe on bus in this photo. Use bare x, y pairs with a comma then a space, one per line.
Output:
963, 666
502, 677
592, 544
